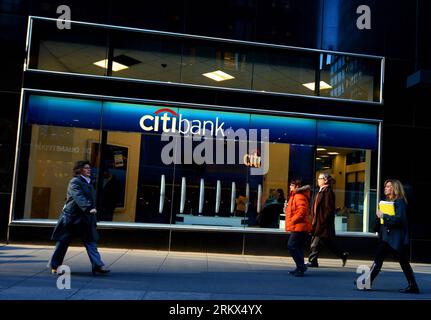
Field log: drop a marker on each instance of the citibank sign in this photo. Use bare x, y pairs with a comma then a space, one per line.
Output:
168, 120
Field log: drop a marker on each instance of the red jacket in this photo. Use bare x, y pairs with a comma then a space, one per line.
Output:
297, 218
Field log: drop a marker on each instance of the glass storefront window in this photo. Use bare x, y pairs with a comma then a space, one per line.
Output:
52, 153
153, 55
354, 185
235, 177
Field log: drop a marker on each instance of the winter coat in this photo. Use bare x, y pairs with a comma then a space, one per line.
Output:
270, 215
323, 213
395, 228
75, 218
297, 218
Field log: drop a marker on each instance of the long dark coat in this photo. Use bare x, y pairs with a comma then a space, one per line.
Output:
323, 214
75, 218
395, 228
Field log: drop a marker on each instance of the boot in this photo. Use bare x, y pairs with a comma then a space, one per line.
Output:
344, 257
412, 288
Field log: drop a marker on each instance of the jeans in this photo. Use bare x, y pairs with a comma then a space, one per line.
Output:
295, 245
61, 249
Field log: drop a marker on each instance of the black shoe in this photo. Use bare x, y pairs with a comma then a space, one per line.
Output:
412, 288
299, 273
312, 265
293, 271
100, 270
303, 269
344, 257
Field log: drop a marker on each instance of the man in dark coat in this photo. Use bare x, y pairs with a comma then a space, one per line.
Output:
323, 221
78, 218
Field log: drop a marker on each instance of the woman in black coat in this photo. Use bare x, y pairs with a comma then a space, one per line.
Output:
78, 219
395, 235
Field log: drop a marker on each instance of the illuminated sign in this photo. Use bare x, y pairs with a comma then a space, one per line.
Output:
170, 121
252, 160
137, 117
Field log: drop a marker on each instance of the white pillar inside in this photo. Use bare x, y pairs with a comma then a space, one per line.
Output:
247, 196
218, 197
201, 196
233, 198
162, 193
183, 194
259, 197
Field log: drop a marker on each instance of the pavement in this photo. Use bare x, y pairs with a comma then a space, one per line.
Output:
162, 275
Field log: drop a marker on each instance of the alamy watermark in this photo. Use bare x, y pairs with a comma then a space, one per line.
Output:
63, 21
243, 147
364, 20
363, 282
64, 278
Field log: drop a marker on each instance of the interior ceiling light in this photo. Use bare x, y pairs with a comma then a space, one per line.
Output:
321, 149
311, 85
115, 65
218, 75
333, 153
120, 62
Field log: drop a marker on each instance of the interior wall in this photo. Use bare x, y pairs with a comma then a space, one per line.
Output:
278, 171
53, 152
339, 174
133, 142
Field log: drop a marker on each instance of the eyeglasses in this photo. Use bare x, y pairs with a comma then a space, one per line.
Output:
320, 178
87, 168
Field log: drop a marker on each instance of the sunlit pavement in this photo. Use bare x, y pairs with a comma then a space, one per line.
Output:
161, 275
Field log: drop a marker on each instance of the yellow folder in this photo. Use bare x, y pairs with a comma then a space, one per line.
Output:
386, 207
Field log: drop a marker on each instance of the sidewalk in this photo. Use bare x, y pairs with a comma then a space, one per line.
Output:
161, 275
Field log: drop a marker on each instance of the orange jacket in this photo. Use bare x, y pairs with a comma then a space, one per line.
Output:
297, 218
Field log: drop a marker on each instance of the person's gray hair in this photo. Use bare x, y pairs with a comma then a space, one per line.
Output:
327, 177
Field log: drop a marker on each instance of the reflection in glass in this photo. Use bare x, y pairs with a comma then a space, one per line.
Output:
224, 65
74, 50
350, 77
53, 152
147, 56
284, 71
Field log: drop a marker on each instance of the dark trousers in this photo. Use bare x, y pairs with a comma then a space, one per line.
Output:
295, 245
61, 249
379, 257
316, 246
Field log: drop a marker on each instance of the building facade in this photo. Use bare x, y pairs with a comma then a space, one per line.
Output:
194, 130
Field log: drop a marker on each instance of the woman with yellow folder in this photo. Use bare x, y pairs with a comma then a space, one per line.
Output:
394, 233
